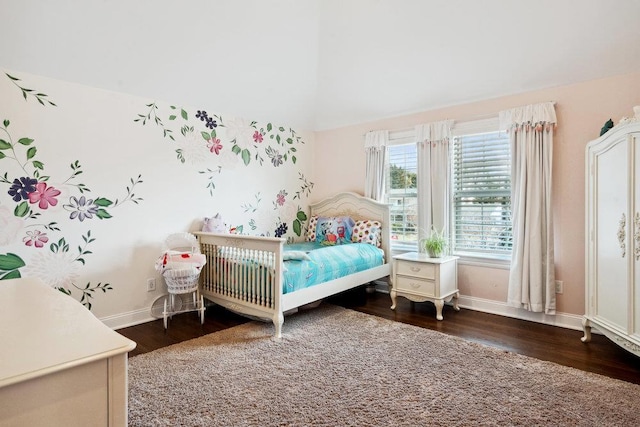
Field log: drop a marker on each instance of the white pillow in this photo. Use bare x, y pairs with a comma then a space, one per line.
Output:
295, 256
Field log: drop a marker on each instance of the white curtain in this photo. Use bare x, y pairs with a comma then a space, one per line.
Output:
434, 172
532, 277
375, 146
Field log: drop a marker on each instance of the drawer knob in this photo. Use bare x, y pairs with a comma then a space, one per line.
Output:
415, 269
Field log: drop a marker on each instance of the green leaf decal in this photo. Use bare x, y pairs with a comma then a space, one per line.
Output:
38, 165
101, 201
236, 149
31, 152
205, 135
246, 156
21, 210
15, 274
25, 141
172, 117
10, 262
6, 123
2, 156
102, 214
184, 114
297, 227
301, 216
269, 127
4, 144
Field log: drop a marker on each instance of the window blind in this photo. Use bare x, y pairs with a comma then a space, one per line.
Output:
482, 194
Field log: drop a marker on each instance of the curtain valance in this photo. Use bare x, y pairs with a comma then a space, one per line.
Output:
434, 132
376, 139
538, 116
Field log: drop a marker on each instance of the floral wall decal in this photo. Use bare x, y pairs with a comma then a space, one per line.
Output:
222, 138
73, 212
34, 197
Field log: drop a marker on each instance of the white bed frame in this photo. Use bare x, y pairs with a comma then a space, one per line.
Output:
260, 294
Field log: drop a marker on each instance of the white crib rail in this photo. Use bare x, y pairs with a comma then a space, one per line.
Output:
243, 273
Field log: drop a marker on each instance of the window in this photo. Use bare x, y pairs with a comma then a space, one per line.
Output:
402, 195
480, 188
481, 211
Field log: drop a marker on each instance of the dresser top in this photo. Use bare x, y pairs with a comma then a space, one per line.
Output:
43, 331
422, 257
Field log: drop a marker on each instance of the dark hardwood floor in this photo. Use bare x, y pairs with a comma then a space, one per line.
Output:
559, 345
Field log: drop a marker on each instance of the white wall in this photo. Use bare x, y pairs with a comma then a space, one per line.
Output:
133, 172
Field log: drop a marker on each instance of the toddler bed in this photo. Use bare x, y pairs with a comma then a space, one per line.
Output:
262, 277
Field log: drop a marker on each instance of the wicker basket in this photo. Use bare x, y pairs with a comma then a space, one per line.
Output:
182, 281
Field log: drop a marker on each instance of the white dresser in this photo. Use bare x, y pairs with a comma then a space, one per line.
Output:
613, 236
420, 278
59, 364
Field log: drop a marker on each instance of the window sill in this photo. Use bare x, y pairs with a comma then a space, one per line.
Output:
489, 261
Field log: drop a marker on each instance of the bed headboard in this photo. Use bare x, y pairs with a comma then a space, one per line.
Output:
357, 207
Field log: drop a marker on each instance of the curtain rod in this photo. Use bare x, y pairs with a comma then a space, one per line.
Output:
467, 119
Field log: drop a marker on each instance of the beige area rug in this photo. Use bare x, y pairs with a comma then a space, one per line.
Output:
338, 367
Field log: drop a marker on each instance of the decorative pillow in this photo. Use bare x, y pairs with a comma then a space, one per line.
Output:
367, 231
295, 256
311, 230
334, 230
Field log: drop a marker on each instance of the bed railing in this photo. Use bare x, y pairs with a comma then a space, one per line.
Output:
242, 270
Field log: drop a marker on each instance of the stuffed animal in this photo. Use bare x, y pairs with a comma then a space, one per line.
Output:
215, 224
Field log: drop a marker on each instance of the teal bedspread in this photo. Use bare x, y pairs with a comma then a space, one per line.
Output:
326, 263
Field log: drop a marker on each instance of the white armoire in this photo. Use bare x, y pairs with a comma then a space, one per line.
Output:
613, 236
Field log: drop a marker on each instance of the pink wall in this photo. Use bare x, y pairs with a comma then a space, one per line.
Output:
581, 108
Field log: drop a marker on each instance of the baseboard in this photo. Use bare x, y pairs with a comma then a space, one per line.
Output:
562, 320
131, 318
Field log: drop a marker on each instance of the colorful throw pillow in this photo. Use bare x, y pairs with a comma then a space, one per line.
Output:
367, 231
311, 229
334, 230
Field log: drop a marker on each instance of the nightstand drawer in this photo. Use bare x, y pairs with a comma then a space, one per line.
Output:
416, 286
416, 269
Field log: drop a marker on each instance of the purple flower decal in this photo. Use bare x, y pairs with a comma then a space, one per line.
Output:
281, 230
21, 188
204, 117
81, 208
276, 158
211, 123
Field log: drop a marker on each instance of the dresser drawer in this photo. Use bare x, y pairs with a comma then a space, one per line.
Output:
416, 286
416, 269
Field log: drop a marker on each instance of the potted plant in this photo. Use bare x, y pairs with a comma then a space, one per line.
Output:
435, 244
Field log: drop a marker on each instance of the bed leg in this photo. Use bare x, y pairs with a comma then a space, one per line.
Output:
278, 320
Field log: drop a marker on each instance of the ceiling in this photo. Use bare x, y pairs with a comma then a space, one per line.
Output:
321, 64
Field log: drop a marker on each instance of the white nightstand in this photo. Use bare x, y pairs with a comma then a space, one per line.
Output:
420, 278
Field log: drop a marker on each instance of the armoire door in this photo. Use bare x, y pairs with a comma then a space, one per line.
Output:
613, 226
633, 303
